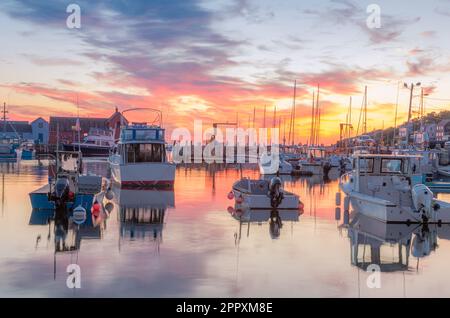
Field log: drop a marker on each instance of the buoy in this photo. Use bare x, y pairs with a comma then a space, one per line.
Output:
337, 214
239, 200
231, 195
71, 196
338, 198
96, 209
79, 215
109, 195
231, 210
301, 208
109, 207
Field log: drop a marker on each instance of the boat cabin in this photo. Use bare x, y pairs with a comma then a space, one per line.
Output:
385, 176
316, 153
141, 143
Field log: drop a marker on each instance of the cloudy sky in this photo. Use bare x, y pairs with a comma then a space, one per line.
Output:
208, 60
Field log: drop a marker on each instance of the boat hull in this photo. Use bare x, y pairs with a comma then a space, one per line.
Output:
262, 202
146, 175
311, 169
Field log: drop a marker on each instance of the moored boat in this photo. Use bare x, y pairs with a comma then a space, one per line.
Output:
386, 187
140, 159
98, 143
263, 195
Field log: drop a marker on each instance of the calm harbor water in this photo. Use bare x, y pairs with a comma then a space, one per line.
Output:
201, 250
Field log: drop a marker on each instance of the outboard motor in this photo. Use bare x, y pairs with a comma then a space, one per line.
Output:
275, 192
423, 202
61, 193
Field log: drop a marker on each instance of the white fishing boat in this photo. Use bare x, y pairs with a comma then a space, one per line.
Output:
271, 164
140, 159
385, 187
263, 195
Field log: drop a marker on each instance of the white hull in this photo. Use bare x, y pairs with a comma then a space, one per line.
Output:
143, 174
258, 198
391, 212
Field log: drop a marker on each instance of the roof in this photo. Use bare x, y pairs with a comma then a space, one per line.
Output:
37, 119
19, 127
75, 118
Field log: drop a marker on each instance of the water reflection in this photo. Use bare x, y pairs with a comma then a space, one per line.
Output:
274, 218
390, 246
142, 213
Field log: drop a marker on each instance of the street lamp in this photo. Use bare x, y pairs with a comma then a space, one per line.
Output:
411, 87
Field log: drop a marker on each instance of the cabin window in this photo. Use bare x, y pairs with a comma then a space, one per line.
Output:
366, 165
127, 134
391, 165
145, 134
145, 153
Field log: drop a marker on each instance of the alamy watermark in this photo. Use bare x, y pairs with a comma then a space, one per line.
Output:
373, 21
74, 277
374, 279
235, 145
73, 21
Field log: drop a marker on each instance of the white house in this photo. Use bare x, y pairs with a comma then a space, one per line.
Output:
40, 130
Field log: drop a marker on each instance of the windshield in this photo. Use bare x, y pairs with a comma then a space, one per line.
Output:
391, 166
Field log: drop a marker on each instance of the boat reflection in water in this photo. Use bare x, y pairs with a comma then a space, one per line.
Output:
390, 245
68, 232
275, 218
142, 212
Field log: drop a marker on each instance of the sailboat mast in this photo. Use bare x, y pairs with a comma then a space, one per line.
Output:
264, 120
274, 116
316, 121
78, 125
318, 128
365, 110
311, 135
293, 113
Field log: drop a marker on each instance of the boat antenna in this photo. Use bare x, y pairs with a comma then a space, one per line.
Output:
293, 113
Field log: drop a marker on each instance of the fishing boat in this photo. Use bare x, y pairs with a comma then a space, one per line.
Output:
140, 158
98, 143
27, 150
67, 187
263, 195
315, 163
388, 188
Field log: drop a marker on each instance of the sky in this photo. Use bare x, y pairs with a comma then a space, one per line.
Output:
210, 60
